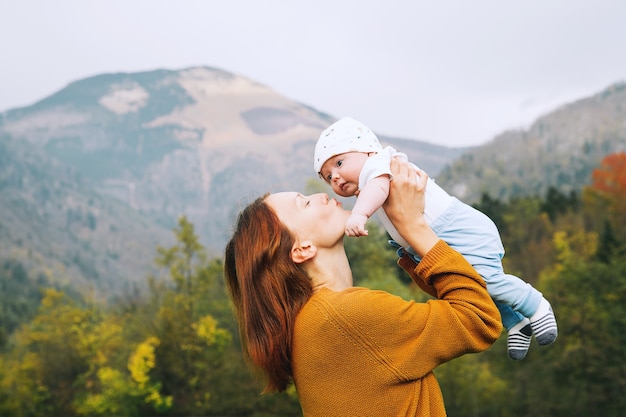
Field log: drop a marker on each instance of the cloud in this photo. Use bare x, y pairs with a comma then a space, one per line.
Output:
448, 72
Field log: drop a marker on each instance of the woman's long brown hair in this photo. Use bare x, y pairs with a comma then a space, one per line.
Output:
268, 290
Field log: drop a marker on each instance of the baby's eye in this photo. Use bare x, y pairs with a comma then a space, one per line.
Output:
329, 177
339, 162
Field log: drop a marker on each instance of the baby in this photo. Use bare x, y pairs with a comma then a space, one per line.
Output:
349, 157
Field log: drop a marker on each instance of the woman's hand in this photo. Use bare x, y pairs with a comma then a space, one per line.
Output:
405, 206
406, 190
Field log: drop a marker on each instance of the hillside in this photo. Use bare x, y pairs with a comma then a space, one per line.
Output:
56, 225
560, 149
96, 175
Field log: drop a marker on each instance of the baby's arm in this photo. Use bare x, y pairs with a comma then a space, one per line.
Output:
370, 199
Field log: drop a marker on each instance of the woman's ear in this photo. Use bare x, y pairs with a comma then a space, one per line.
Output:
302, 252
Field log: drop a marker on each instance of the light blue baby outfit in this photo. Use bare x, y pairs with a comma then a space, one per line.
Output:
471, 233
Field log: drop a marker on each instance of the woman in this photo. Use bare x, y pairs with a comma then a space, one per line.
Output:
351, 351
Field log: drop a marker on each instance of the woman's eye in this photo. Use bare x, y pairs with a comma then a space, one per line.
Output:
307, 203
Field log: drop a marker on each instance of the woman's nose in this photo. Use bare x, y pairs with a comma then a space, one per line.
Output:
322, 196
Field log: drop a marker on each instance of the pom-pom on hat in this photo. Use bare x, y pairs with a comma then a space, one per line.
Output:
345, 135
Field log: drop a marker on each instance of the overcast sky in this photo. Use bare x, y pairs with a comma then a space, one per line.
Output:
454, 73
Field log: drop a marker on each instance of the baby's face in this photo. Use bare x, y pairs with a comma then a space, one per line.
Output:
342, 172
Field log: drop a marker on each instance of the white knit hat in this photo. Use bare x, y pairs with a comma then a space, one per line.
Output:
345, 135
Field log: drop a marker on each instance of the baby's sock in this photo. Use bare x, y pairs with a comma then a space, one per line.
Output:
543, 323
518, 341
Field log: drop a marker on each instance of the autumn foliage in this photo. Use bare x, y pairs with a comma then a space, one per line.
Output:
607, 193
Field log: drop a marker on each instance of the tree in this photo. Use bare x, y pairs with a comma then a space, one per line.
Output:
191, 342
471, 388
584, 373
609, 246
557, 203
527, 239
19, 297
188, 316
49, 355
605, 195
72, 360
129, 392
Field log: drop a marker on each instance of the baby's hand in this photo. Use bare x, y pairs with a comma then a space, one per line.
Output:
355, 226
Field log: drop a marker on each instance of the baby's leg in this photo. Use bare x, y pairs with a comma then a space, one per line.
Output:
519, 330
509, 289
476, 237
509, 316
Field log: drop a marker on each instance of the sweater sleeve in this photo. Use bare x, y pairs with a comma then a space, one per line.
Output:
408, 264
459, 285
411, 339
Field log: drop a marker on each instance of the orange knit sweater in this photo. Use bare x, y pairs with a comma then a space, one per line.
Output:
361, 352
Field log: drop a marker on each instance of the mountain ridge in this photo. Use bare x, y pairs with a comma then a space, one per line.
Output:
95, 176
156, 145
560, 149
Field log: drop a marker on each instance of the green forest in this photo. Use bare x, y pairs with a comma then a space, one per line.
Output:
171, 348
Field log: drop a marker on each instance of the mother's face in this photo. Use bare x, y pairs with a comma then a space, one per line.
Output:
313, 218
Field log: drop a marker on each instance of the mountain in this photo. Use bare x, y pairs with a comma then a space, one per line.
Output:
93, 177
560, 149
53, 222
